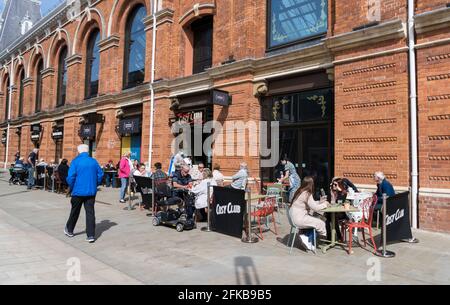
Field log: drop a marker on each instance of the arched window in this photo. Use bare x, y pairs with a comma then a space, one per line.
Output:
21, 78
40, 67
62, 78
135, 40
6, 91
92, 65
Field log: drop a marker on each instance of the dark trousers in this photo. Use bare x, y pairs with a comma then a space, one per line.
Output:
339, 217
89, 203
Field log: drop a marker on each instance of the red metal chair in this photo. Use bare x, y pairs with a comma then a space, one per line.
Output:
266, 210
367, 206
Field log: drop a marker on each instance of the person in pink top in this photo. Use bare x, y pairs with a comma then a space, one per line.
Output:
124, 175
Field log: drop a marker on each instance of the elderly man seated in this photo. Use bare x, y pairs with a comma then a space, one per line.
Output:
383, 187
240, 178
182, 183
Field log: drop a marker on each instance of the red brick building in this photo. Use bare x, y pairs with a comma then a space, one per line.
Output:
334, 74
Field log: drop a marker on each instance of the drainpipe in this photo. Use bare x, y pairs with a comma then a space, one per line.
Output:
8, 129
413, 105
152, 91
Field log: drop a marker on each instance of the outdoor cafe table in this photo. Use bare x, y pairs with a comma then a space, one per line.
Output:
333, 209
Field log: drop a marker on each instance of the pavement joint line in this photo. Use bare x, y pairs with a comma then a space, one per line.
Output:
71, 246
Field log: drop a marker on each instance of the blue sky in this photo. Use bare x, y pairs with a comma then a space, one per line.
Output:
46, 5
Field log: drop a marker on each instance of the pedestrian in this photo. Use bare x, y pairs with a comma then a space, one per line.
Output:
17, 156
31, 164
290, 175
85, 174
125, 167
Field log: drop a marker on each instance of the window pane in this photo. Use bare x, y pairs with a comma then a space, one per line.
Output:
93, 65
38, 87
292, 20
303, 107
62, 78
136, 45
22, 77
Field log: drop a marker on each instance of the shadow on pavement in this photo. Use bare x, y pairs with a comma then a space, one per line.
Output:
245, 271
100, 228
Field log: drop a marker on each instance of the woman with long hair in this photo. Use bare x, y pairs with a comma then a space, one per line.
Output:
302, 207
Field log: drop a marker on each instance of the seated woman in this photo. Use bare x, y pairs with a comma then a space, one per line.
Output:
340, 188
302, 207
63, 171
201, 191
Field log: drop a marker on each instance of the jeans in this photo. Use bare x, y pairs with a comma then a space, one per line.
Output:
123, 187
77, 202
30, 177
110, 180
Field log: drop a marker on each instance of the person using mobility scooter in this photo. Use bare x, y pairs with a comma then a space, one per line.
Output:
183, 216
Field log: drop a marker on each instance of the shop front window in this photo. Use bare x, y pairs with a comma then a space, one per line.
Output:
302, 107
291, 21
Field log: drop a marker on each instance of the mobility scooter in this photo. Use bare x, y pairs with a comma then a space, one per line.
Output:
179, 217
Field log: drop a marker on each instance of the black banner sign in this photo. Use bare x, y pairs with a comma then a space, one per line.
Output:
130, 126
398, 225
228, 211
145, 188
88, 131
221, 98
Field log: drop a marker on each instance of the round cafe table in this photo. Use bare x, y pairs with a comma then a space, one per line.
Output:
333, 209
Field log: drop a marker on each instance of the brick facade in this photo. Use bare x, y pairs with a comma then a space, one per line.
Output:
368, 68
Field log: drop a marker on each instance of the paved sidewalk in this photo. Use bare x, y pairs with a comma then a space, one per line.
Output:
130, 250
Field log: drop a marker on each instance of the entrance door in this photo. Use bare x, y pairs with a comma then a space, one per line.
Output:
59, 150
132, 144
309, 149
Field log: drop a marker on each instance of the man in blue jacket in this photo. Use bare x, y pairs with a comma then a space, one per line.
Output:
85, 174
383, 187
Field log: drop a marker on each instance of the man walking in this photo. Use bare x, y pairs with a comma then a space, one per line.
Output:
85, 174
31, 164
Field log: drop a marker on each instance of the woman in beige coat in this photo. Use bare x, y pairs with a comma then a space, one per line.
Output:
303, 205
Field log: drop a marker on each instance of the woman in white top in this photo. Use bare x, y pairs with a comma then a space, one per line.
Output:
201, 191
217, 175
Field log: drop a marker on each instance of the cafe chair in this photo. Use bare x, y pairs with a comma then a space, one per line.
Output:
276, 191
367, 208
267, 209
295, 230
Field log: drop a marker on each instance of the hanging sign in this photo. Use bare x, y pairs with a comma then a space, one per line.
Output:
221, 98
88, 131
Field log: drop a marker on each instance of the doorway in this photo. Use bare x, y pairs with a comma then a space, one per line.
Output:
309, 149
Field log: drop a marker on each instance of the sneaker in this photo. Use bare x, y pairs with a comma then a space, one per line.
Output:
305, 241
122, 201
90, 239
67, 233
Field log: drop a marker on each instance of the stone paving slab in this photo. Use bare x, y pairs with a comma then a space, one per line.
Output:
130, 250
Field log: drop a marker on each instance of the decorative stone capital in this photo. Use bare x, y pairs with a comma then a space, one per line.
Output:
260, 89
330, 73
110, 42
28, 81
75, 59
48, 72
163, 16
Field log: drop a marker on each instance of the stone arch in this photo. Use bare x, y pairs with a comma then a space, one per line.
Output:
91, 18
60, 39
120, 12
196, 12
4, 76
18, 64
36, 54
